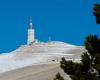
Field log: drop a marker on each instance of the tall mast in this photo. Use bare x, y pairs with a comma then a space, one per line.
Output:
30, 24
31, 36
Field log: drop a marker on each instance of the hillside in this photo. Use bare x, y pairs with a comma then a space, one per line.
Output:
39, 53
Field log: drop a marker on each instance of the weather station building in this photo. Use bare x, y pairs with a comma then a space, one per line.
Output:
31, 37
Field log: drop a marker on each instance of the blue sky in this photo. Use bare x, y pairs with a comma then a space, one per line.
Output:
62, 20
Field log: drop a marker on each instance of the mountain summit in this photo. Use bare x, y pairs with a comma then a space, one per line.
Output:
37, 52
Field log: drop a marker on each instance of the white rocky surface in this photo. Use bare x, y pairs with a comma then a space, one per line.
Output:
39, 53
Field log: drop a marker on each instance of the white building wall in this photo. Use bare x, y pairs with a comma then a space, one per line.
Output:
30, 36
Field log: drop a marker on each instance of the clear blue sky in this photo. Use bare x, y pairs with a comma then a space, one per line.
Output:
64, 20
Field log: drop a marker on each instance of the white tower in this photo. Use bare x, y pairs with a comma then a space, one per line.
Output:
31, 37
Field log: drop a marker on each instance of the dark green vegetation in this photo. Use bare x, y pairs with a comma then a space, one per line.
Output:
97, 12
58, 77
89, 68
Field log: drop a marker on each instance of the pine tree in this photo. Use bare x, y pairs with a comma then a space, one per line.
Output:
96, 12
89, 68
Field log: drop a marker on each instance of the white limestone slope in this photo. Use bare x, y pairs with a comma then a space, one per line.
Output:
39, 53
